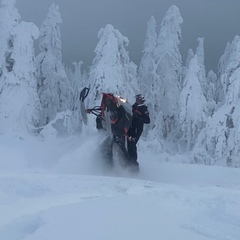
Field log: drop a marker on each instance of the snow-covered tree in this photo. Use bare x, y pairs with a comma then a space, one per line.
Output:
201, 60
228, 63
9, 19
146, 71
190, 55
112, 71
168, 71
212, 93
219, 142
77, 84
78, 80
146, 67
192, 107
19, 102
209, 82
53, 86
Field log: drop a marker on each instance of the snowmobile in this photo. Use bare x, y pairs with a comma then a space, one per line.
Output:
114, 116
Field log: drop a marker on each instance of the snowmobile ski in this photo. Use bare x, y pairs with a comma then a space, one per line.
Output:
83, 95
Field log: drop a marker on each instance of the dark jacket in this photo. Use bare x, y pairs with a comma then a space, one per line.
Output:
140, 117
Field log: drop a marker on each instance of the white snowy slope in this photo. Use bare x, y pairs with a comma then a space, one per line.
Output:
61, 190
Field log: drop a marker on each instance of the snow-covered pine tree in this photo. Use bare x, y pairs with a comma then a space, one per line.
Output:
112, 71
190, 55
209, 83
146, 71
168, 72
9, 19
219, 142
212, 93
78, 81
19, 102
228, 63
77, 84
202, 74
53, 86
69, 73
192, 106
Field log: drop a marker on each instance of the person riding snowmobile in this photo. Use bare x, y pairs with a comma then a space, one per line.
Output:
114, 115
122, 122
140, 117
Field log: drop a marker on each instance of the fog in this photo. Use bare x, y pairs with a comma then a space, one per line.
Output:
217, 21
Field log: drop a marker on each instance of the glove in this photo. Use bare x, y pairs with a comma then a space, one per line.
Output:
137, 112
131, 139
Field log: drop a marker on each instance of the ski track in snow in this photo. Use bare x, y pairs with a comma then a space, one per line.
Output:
72, 188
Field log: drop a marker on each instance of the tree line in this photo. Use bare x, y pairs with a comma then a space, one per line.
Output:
195, 112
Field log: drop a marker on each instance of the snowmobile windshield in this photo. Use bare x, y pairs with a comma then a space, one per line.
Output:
109, 102
126, 105
117, 111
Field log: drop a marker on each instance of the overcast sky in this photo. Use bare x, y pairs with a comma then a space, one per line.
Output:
218, 21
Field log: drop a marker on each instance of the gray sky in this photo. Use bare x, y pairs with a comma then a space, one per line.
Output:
218, 21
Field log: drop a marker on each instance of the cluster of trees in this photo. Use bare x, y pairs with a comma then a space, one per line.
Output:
195, 112
35, 90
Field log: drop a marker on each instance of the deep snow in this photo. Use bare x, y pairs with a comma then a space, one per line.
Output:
61, 189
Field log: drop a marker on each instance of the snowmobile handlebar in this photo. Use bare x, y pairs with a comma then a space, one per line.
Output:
95, 110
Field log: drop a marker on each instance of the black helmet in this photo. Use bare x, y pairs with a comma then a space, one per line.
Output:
140, 98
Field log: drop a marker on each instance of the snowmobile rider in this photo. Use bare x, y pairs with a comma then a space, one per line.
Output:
140, 117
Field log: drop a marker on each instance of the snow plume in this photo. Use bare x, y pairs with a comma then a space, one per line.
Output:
58, 190
112, 71
219, 141
19, 102
64, 124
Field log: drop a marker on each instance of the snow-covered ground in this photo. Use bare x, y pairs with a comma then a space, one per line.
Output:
62, 190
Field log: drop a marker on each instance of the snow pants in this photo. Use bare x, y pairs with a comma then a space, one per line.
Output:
132, 151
